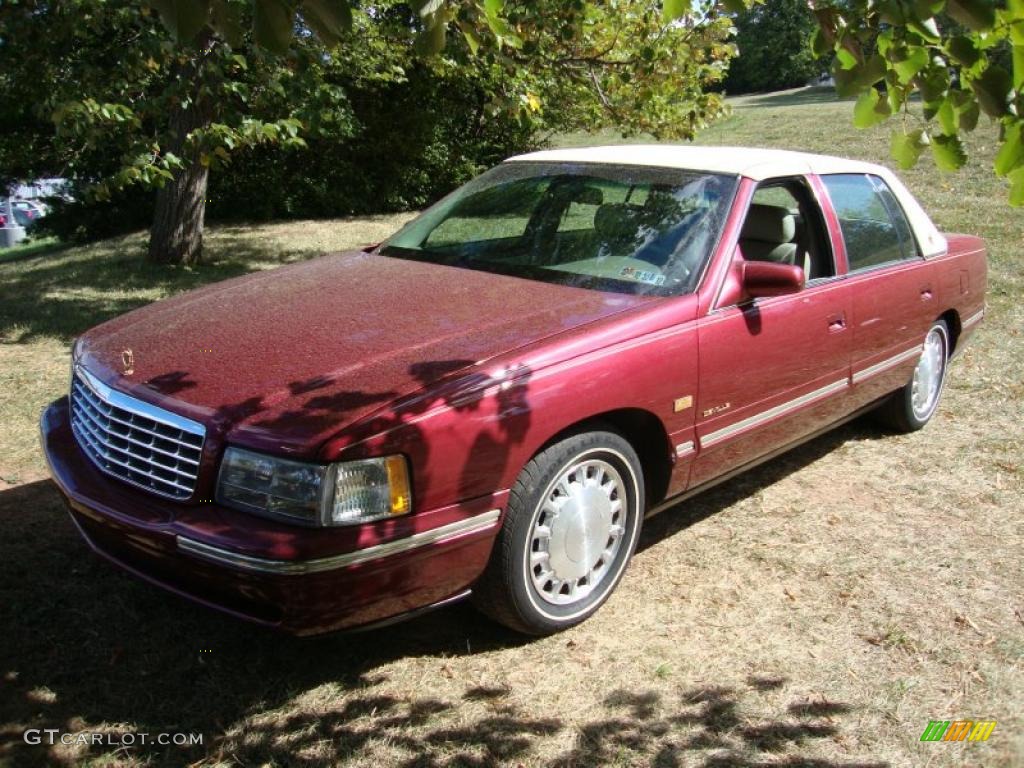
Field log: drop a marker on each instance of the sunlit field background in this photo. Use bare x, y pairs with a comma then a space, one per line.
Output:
817, 611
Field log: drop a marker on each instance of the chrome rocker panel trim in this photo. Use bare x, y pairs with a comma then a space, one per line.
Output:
884, 365
236, 560
684, 449
711, 438
973, 319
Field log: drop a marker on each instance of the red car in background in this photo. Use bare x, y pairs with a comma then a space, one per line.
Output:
491, 401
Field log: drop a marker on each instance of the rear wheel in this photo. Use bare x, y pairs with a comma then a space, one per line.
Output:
573, 519
912, 406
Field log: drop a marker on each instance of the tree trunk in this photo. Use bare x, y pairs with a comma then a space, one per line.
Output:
176, 236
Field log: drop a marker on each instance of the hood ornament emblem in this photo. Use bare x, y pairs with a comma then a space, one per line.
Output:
128, 362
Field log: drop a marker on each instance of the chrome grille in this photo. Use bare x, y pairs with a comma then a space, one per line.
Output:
134, 441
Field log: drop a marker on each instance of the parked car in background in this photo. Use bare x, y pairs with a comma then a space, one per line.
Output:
37, 209
490, 402
26, 213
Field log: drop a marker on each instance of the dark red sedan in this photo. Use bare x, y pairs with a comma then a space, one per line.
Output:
491, 401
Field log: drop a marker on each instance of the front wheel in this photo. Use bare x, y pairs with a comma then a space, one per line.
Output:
912, 406
573, 519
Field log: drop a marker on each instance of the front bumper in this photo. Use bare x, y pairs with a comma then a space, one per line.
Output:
304, 581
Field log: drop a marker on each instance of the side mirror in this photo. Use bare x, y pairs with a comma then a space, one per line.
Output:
766, 278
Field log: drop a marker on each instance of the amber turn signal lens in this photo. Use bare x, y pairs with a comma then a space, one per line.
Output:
398, 482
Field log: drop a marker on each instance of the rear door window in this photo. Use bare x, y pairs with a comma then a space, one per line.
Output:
874, 227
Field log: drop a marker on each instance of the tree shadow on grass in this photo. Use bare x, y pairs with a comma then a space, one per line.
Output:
83, 644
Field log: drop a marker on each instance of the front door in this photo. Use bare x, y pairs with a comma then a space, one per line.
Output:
773, 370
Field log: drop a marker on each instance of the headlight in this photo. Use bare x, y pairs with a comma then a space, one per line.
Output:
346, 493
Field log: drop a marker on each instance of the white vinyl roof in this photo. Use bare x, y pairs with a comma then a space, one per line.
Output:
753, 163
757, 164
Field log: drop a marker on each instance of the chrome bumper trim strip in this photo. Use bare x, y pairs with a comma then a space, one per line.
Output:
242, 562
884, 365
760, 418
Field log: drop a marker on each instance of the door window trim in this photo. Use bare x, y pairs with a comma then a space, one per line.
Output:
875, 182
807, 181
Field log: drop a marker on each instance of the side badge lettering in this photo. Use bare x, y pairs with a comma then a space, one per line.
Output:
717, 409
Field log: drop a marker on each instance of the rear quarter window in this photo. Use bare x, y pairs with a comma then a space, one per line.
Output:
874, 227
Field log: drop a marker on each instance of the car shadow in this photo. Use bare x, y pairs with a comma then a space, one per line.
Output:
693, 510
83, 643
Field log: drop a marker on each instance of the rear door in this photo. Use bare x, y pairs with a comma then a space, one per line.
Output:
773, 370
892, 294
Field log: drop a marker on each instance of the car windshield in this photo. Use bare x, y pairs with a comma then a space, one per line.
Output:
630, 229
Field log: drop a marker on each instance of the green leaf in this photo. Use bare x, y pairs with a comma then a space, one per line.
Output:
1017, 187
846, 59
674, 9
820, 46
872, 71
828, 23
933, 82
330, 19
734, 6
227, 22
948, 152
1011, 153
183, 18
871, 109
892, 11
1015, 19
432, 40
472, 38
906, 148
962, 49
979, 15
1018, 67
916, 59
948, 117
993, 90
850, 82
966, 107
272, 25
427, 8
926, 28
925, 9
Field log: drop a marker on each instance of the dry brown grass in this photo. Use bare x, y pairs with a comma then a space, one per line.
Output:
817, 611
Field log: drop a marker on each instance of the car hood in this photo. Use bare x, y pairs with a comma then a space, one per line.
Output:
289, 356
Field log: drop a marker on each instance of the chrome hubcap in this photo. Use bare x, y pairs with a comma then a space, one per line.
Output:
577, 531
927, 379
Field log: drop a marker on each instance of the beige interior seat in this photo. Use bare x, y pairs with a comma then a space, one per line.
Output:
768, 234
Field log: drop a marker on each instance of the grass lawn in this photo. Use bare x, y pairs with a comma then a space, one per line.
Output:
817, 611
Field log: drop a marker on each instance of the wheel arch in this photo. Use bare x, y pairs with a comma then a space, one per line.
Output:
644, 431
952, 320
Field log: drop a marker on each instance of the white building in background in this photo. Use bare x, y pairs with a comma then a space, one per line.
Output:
41, 188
